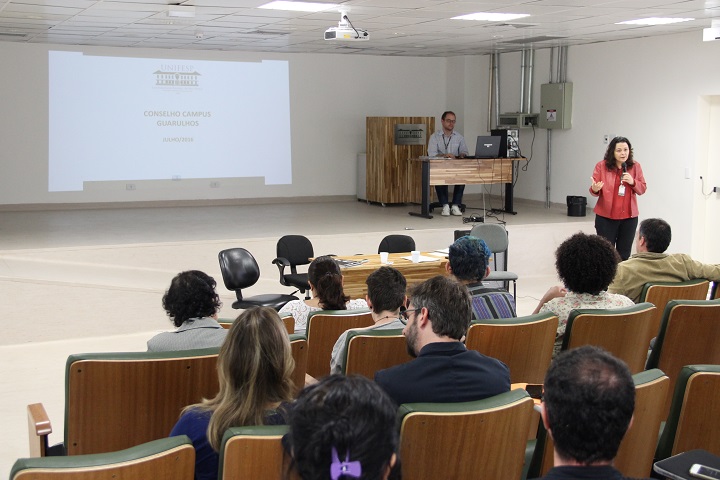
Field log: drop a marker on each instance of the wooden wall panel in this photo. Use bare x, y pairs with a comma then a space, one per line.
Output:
390, 176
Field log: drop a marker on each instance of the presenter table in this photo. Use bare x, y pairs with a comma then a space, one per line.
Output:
354, 277
465, 171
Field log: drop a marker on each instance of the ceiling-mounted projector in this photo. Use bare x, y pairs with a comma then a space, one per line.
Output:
346, 32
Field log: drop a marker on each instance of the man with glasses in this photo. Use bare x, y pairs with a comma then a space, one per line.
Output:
444, 370
448, 143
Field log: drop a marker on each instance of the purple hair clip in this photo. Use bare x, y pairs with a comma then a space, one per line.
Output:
338, 468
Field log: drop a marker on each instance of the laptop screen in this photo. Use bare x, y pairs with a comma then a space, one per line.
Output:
487, 147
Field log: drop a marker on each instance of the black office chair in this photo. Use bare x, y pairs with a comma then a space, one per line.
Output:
294, 250
240, 270
397, 244
496, 238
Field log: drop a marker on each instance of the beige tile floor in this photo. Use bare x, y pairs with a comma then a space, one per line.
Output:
91, 280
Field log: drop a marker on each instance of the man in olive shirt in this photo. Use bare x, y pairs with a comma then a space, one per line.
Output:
651, 264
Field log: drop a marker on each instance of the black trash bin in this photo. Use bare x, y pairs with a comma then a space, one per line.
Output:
576, 206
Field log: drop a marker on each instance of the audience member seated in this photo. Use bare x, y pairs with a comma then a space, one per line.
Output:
468, 262
254, 370
586, 264
342, 427
588, 404
652, 264
444, 371
326, 285
385, 297
192, 304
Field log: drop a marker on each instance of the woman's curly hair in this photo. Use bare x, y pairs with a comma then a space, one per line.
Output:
586, 263
191, 295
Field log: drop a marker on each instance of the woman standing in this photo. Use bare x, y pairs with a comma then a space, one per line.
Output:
616, 181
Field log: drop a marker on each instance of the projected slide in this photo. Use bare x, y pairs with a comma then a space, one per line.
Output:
119, 118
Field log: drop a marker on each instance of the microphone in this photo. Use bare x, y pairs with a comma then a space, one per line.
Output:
624, 167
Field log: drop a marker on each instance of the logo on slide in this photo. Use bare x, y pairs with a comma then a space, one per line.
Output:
170, 77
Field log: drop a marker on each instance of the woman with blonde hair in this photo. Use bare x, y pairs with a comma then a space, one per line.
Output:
255, 365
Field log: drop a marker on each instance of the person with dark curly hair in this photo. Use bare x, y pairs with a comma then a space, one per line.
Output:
342, 427
468, 262
586, 264
616, 181
326, 285
192, 304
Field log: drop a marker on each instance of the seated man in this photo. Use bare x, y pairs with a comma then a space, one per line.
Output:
588, 404
386, 294
651, 264
468, 262
444, 370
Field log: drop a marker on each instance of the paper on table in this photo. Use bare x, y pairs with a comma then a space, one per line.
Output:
423, 259
444, 251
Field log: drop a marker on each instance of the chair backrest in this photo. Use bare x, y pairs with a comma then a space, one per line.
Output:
660, 293
480, 440
299, 348
252, 453
288, 321
324, 327
524, 344
689, 335
368, 351
694, 419
118, 400
297, 249
496, 238
715, 292
397, 244
165, 459
239, 268
624, 332
635, 455
637, 450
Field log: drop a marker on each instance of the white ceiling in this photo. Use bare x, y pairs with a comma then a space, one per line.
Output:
396, 27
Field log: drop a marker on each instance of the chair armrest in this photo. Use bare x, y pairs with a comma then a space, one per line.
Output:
39, 428
281, 263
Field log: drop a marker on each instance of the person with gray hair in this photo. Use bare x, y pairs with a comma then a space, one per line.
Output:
444, 370
468, 262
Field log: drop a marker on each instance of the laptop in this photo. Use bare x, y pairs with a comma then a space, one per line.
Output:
487, 147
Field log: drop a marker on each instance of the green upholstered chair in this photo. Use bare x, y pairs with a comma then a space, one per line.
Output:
660, 293
367, 351
289, 322
694, 419
624, 332
485, 439
689, 335
524, 344
165, 459
118, 400
324, 327
253, 453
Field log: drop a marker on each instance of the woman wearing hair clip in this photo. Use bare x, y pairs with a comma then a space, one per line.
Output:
616, 181
326, 285
342, 428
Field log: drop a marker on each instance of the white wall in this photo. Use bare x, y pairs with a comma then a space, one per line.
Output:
656, 91
650, 91
330, 96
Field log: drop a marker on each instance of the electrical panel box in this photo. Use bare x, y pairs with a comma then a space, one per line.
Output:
556, 105
517, 120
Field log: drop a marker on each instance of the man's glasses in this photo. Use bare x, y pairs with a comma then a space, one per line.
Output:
405, 315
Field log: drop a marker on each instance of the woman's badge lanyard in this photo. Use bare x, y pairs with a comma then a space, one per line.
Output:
446, 143
621, 189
